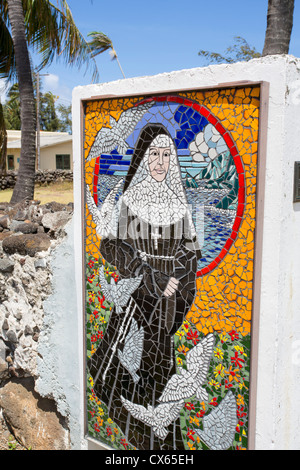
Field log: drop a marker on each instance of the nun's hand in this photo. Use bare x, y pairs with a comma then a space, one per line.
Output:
171, 287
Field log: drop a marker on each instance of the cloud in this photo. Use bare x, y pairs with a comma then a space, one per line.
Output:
207, 145
51, 81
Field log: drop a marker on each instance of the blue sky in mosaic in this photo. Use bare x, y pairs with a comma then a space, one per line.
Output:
162, 36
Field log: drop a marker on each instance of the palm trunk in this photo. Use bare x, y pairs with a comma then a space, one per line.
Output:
3, 141
279, 27
24, 188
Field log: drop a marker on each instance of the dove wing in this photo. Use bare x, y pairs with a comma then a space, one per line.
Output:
139, 412
107, 138
105, 142
198, 358
129, 118
180, 386
219, 426
126, 287
92, 207
135, 337
166, 413
133, 347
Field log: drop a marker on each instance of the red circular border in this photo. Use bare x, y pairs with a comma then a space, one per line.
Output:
238, 164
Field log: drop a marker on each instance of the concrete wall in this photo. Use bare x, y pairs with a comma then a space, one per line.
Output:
278, 373
59, 343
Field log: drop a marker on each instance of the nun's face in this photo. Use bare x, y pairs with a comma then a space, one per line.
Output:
159, 162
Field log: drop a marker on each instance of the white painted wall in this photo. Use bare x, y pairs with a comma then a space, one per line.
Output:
278, 387
48, 155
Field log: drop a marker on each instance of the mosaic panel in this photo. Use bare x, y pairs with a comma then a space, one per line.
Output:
170, 200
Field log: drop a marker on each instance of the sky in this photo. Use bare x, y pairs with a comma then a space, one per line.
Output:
158, 36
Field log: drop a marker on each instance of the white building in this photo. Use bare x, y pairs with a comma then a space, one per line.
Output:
55, 150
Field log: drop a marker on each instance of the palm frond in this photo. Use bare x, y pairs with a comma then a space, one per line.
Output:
51, 31
100, 43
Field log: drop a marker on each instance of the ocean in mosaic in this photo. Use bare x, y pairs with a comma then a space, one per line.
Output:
169, 238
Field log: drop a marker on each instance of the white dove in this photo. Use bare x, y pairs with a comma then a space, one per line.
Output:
105, 217
159, 418
188, 382
118, 292
108, 138
131, 355
219, 426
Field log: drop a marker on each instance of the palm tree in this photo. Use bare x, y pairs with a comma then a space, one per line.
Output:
24, 188
279, 27
240, 51
51, 31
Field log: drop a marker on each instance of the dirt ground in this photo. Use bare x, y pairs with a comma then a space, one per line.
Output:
59, 192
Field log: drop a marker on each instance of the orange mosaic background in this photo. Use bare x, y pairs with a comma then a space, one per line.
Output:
224, 296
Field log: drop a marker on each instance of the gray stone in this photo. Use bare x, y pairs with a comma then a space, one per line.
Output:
2, 350
11, 336
21, 215
6, 265
18, 315
26, 244
57, 206
5, 325
55, 220
28, 330
40, 263
26, 227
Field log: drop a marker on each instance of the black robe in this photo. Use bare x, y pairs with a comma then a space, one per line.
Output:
174, 253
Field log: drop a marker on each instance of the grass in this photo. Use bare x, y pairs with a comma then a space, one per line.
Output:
58, 192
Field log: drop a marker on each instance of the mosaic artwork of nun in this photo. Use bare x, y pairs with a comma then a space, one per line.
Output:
152, 241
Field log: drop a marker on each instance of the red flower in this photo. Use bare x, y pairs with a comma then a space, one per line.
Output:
189, 406
109, 431
214, 402
101, 300
124, 443
93, 338
228, 385
193, 336
200, 414
240, 412
100, 334
190, 434
236, 360
95, 313
233, 334
91, 264
96, 427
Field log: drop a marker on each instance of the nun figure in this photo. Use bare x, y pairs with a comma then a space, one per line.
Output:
153, 240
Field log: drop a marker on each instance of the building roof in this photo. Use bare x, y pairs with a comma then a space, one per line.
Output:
47, 139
